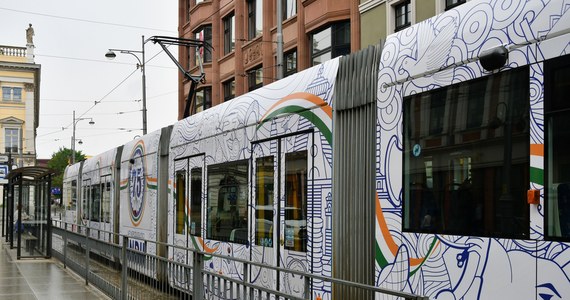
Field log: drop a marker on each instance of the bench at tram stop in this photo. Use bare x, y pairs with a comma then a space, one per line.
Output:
30, 242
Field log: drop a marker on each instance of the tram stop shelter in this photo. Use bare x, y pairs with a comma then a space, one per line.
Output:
28, 215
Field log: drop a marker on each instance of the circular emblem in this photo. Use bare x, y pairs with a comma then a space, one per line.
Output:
137, 183
417, 150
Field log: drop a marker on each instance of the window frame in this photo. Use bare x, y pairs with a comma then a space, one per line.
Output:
229, 88
11, 135
214, 218
407, 15
254, 18
9, 94
253, 75
285, 12
180, 201
454, 4
551, 111
290, 71
206, 31
438, 196
337, 46
206, 99
229, 33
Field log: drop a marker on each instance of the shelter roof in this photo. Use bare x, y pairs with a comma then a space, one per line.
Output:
34, 172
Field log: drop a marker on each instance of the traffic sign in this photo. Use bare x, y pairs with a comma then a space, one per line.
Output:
3, 171
3, 159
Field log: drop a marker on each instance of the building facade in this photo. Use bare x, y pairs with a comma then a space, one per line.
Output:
243, 36
380, 18
19, 104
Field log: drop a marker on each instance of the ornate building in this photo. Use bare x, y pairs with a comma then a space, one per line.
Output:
19, 103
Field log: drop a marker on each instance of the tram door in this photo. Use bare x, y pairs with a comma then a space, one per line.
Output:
280, 197
85, 201
188, 231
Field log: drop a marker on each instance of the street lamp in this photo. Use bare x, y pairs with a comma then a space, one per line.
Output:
111, 55
75, 121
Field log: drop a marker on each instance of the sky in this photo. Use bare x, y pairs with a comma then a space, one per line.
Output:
71, 39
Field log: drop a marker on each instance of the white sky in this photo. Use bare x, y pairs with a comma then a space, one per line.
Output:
75, 72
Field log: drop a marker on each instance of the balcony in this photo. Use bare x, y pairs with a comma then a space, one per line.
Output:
12, 51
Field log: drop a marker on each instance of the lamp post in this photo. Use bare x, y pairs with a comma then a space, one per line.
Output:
111, 55
75, 121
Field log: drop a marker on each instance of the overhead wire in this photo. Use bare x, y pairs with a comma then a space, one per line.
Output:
84, 20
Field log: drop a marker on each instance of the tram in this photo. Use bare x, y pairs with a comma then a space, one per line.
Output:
436, 165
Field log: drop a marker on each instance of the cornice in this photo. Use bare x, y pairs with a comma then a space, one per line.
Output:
366, 6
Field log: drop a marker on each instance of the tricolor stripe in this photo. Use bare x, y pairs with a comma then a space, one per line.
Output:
307, 105
389, 245
537, 164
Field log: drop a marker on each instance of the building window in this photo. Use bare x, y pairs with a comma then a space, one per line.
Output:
229, 89
403, 13
290, 63
12, 140
289, 8
11, 93
254, 18
189, 54
449, 4
330, 42
203, 99
229, 34
557, 156
255, 78
188, 7
204, 34
468, 177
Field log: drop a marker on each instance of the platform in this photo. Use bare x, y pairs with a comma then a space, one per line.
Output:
39, 279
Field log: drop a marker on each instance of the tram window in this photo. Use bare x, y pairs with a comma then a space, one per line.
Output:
227, 202
196, 202
95, 202
85, 201
296, 201
106, 200
557, 134
264, 200
72, 205
180, 201
466, 171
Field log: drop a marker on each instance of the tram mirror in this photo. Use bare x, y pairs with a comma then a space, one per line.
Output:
494, 58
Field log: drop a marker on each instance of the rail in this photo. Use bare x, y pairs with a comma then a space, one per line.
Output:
99, 256
12, 51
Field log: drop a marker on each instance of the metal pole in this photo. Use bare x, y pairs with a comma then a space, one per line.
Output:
124, 274
143, 67
279, 39
73, 141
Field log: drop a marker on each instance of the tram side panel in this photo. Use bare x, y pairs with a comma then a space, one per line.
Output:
139, 198
215, 146
459, 137
97, 208
71, 194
